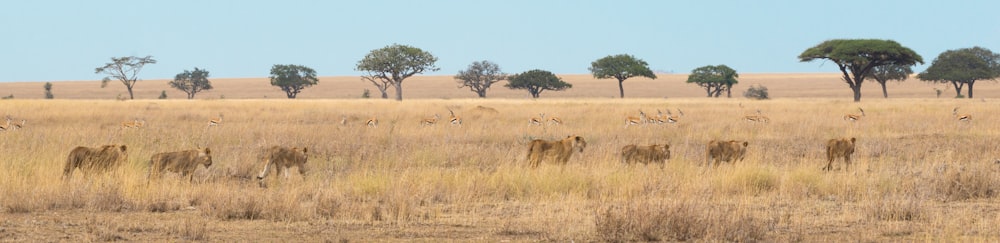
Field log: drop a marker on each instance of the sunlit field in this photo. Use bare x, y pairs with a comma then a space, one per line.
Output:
918, 173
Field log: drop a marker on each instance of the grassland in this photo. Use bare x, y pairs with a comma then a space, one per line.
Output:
918, 174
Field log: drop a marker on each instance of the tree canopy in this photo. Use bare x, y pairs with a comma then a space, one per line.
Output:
292, 78
536, 81
393, 64
714, 79
192, 82
620, 67
479, 76
963, 66
124, 69
856, 58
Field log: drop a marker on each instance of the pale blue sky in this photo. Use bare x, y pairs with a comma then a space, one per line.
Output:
66, 40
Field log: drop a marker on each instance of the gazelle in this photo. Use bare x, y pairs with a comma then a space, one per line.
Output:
215, 121
855, 117
430, 121
631, 120
134, 123
962, 117
343, 120
757, 118
540, 120
555, 121
7, 126
454, 120
372, 122
16, 126
670, 116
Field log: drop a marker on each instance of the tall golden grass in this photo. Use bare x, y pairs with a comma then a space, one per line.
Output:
918, 173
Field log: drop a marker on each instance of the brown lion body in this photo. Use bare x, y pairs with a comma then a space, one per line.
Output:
183, 162
97, 159
645, 154
539, 149
725, 151
837, 148
283, 158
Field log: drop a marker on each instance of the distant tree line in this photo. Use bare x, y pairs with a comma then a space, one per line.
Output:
857, 60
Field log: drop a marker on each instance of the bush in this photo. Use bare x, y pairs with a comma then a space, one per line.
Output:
757, 92
163, 95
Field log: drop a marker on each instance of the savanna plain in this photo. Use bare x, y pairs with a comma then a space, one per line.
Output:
918, 174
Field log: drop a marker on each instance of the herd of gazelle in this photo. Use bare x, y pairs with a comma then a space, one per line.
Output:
11, 127
539, 120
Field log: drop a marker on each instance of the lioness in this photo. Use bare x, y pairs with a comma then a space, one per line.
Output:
539, 149
283, 158
91, 160
183, 162
836, 148
725, 151
645, 154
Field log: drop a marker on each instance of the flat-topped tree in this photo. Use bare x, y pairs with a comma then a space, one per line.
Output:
292, 78
536, 81
191, 82
393, 64
886, 73
963, 66
715, 79
857, 57
124, 69
620, 67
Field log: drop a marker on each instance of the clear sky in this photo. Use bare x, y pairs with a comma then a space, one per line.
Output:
49, 40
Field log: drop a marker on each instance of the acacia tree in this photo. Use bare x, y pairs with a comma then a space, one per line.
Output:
393, 64
124, 69
714, 79
536, 81
963, 66
479, 76
621, 67
886, 73
857, 57
192, 82
292, 78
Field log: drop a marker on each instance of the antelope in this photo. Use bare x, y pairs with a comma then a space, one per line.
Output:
670, 116
757, 118
372, 122
555, 121
430, 121
215, 121
16, 126
343, 120
454, 120
537, 120
7, 126
134, 123
855, 117
659, 118
631, 120
962, 117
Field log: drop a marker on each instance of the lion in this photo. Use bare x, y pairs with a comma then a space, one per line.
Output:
183, 162
645, 154
97, 159
540, 149
283, 158
836, 148
725, 151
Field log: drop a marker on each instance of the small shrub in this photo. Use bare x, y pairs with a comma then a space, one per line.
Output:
48, 90
757, 92
163, 95
11, 96
366, 94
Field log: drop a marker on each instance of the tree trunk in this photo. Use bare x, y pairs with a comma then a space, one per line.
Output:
130, 95
857, 93
621, 90
709, 90
384, 94
729, 92
884, 92
958, 87
970, 88
399, 90
481, 93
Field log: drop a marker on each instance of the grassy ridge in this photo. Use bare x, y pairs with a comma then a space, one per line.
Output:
916, 169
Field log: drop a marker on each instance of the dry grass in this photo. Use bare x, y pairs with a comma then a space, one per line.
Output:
918, 174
